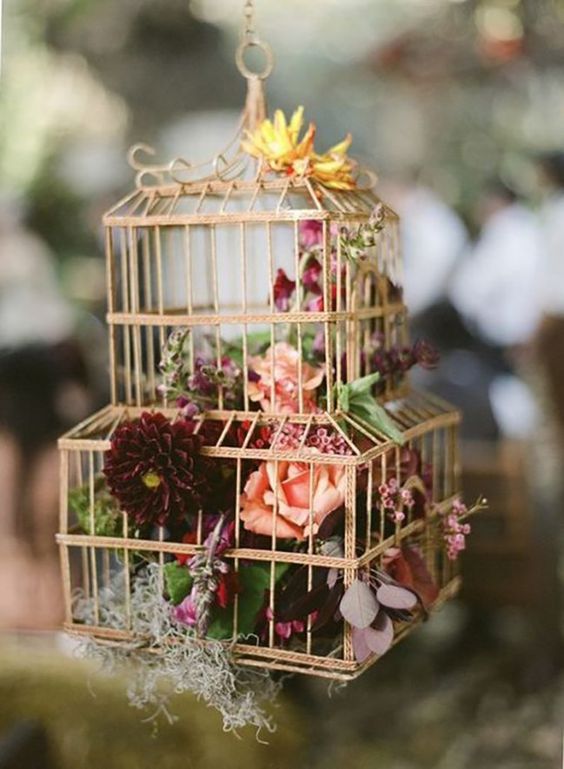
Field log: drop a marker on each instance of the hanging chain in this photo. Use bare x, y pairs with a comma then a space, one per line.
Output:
250, 39
249, 32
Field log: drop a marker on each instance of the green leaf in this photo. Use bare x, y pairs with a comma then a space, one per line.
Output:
257, 342
370, 411
178, 581
363, 385
221, 626
254, 581
357, 400
343, 397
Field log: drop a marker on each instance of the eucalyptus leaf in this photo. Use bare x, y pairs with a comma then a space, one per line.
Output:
396, 597
331, 522
360, 647
359, 605
379, 636
423, 583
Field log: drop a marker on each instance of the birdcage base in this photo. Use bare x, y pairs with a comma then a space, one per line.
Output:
278, 659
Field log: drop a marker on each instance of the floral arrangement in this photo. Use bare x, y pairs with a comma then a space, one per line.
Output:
155, 472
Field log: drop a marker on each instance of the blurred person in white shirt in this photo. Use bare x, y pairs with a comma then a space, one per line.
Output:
433, 239
497, 287
496, 290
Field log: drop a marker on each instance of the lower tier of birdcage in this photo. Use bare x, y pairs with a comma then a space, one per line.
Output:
99, 564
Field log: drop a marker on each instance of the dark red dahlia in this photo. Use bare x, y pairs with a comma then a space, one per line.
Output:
155, 471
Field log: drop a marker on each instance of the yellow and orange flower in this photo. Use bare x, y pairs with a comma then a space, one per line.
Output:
278, 143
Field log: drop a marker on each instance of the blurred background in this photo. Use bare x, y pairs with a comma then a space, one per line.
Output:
459, 106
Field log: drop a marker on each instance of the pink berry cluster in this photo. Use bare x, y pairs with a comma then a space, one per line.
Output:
455, 531
320, 438
394, 500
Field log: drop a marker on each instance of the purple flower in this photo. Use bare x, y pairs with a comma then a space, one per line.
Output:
426, 354
311, 275
253, 376
315, 304
188, 408
318, 346
311, 233
226, 537
201, 380
186, 612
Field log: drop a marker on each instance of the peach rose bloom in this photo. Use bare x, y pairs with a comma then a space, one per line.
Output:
284, 373
291, 485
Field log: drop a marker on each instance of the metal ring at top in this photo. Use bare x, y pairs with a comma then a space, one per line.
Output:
240, 59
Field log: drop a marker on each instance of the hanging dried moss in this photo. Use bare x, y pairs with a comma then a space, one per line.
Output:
171, 660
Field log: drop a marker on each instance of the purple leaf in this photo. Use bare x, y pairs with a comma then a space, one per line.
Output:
399, 615
396, 597
332, 577
360, 647
297, 585
305, 604
379, 636
359, 605
423, 582
327, 611
331, 522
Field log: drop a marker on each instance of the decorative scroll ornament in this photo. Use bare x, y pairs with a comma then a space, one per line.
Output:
260, 147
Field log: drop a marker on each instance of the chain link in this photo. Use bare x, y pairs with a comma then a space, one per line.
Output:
250, 31
250, 39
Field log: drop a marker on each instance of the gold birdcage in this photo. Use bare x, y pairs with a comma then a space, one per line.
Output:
196, 251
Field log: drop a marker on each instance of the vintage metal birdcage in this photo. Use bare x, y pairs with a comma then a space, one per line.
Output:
195, 256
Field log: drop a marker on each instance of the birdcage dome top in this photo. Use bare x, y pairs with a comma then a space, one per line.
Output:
241, 200
270, 170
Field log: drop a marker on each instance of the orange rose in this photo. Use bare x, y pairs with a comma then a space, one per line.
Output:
291, 488
284, 374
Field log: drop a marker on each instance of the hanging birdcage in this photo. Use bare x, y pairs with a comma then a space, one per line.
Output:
263, 454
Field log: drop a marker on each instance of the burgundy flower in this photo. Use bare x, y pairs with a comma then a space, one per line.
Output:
311, 276
154, 469
260, 439
283, 289
228, 586
315, 304
426, 354
311, 233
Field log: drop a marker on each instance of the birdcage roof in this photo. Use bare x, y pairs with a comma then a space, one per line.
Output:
414, 415
238, 200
